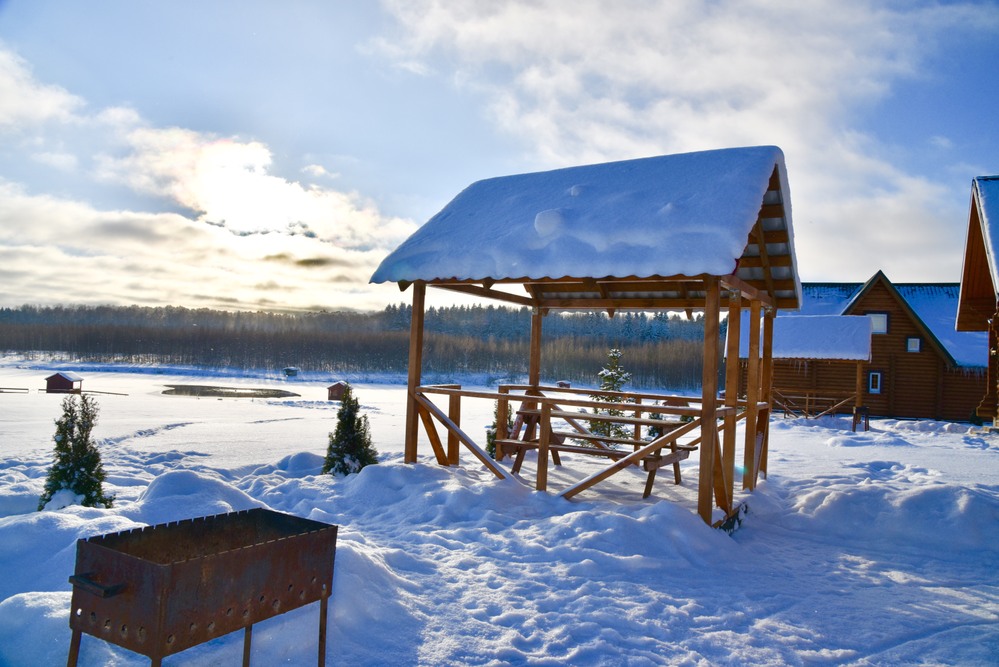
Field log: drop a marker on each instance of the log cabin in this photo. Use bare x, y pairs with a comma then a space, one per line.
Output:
919, 365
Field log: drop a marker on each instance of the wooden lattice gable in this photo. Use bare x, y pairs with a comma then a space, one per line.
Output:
980, 273
634, 234
855, 307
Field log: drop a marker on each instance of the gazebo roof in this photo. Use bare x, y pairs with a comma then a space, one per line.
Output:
633, 234
980, 274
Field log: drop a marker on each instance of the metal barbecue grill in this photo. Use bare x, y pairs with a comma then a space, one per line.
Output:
162, 589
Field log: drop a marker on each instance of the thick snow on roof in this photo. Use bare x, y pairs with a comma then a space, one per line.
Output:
68, 375
684, 214
934, 303
988, 214
816, 337
936, 306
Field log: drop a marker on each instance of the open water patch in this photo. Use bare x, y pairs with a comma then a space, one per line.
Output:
211, 391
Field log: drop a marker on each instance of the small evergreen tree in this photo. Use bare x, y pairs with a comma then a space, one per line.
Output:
612, 378
77, 467
350, 447
491, 429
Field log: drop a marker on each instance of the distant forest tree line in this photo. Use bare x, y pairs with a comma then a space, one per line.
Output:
660, 349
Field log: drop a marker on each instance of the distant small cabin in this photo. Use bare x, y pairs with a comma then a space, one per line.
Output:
64, 382
336, 390
291, 371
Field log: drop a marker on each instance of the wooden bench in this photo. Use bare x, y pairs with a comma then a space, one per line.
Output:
651, 463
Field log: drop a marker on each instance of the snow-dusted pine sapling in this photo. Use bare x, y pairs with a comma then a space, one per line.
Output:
612, 378
77, 475
350, 447
491, 429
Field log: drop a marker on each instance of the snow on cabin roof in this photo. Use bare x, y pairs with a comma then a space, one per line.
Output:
845, 337
686, 214
933, 303
988, 215
66, 375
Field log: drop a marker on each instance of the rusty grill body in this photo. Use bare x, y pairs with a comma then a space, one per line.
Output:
162, 589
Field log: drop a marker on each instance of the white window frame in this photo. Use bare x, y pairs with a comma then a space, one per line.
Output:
876, 319
874, 382
913, 344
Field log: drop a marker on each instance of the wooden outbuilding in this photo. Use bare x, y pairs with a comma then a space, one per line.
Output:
708, 231
814, 357
978, 309
919, 366
336, 390
64, 382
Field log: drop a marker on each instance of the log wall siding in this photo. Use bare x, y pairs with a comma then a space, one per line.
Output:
913, 384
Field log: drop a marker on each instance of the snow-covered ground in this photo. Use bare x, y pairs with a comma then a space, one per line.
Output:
876, 548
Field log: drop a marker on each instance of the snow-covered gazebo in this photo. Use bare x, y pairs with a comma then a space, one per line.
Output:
696, 231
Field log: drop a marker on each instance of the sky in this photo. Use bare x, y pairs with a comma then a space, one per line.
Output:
267, 156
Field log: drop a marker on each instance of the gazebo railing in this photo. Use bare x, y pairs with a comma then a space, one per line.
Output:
546, 417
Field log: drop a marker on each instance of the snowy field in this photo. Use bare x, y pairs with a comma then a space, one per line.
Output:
877, 548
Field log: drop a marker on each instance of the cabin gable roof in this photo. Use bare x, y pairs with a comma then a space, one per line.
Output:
879, 278
932, 307
980, 272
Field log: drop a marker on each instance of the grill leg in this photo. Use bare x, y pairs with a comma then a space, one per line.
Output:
247, 638
322, 630
74, 648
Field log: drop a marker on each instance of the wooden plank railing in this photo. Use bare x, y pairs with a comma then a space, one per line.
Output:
549, 418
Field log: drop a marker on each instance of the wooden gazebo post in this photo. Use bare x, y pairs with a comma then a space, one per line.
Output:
534, 365
766, 393
415, 370
709, 400
732, 372
752, 395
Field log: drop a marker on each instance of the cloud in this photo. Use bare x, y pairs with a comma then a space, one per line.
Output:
63, 251
24, 101
226, 179
601, 81
206, 220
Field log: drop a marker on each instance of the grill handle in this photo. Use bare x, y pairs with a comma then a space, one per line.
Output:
86, 583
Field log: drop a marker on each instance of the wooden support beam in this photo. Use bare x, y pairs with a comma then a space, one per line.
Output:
432, 435
732, 372
752, 395
479, 453
631, 459
766, 390
534, 368
454, 413
752, 262
544, 440
709, 401
487, 293
415, 370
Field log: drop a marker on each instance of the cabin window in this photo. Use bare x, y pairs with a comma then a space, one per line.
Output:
879, 322
913, 344
874, 382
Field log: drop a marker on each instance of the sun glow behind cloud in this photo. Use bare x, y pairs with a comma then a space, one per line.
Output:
234, 235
